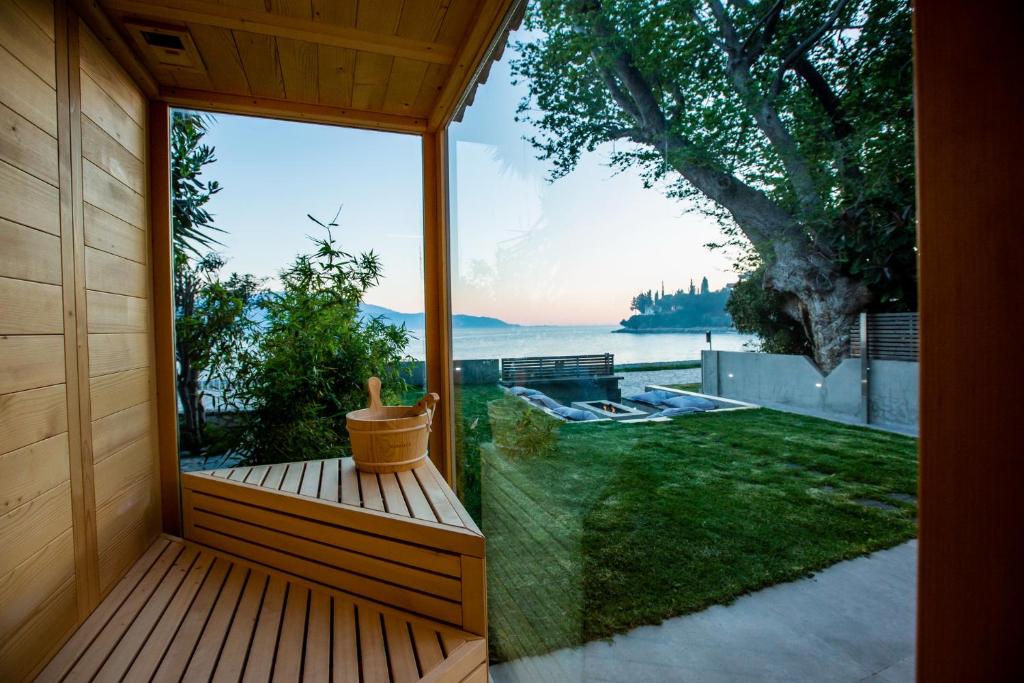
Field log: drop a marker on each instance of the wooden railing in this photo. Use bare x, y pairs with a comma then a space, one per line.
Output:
890, 336
535, 368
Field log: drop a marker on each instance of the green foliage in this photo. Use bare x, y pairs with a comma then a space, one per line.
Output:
191, 222
681, 310
308, 364
519, 430
756, 310
211, 327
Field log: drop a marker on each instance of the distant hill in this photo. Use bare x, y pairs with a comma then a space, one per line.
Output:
416, 321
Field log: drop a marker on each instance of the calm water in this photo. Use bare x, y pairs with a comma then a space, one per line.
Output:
585, 339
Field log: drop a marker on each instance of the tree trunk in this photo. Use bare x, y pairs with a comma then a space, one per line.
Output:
823, 300
192, 407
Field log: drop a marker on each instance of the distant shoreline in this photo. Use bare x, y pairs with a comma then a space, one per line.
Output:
676, 330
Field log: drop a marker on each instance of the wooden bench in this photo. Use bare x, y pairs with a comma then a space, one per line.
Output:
185, 612
298, 571
402, 540
565, 378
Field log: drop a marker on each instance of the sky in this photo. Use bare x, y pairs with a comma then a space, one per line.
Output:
529, 251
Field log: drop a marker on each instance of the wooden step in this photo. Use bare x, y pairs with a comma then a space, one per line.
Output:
186, 612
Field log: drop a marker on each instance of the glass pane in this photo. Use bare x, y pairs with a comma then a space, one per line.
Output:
646, 433
299, 273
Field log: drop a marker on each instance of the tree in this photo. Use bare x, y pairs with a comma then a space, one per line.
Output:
211, 327
308, 363
191, 222
756, 310
791, 122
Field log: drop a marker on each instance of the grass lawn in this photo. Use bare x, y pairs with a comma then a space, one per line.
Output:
623, 525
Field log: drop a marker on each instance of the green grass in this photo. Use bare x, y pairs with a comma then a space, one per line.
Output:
623, 525
660, 365
695, 386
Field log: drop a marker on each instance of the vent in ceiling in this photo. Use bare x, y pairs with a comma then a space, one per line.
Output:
168, 47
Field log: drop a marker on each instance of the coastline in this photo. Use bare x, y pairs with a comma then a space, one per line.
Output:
676, 330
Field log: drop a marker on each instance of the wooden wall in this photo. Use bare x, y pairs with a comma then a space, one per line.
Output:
78, 484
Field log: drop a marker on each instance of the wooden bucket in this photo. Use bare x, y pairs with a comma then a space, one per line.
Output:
390, 438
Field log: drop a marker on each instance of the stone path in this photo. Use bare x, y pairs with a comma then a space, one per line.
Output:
851, 622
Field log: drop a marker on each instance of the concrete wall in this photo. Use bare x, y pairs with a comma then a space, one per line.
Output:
474, 371
776, 380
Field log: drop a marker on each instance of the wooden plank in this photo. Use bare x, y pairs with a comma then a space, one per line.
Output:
105, 71
217, 48
30, 308
105, 113
370, 492
164, 371
25, 146
428, 648
28, 200
115, 431
264, 641
311, 479
299, 69
474, 595
27, 649
117, 313
30, 362
355, 572
117, 352
30, 471
111, 156
26, 587
370, 80
64, 660
344, 648
335, 71
239, 474
275, 476
290, 644
30, 416
98, 20
27, 94
149, 657
403, 86
118, 391
293, 477
372, 655
93, 656
419, 506
115, 275
240, 635
257, 474
27, 42
124, 528
131, 643
370, 545
329, 485
370, 589
433, 488
349, 482
29, 254
208, 649
421, 532
299, 28
317, 662
261, 63
401, 656
460, 663
269, 107
394, 502
106, 192
41, 13
181, 647
123, 469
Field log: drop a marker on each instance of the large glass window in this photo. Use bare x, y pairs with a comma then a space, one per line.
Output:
633, 456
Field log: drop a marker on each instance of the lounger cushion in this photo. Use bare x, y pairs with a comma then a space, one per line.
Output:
676, 412
524, 391
652, 398
574, 414
688, 402
544, 401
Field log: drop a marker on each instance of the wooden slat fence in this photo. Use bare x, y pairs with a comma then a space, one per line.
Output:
535, 368
891, 336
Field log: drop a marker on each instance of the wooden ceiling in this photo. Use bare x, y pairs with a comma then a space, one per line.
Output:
403, 65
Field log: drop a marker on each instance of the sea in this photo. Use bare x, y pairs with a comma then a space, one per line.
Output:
559, 340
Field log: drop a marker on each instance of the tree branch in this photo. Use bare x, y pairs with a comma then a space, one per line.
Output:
804, 46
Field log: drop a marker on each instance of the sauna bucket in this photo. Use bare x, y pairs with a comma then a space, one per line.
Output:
390, 438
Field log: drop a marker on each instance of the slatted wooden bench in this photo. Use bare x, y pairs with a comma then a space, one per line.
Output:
565, 378
402, 540
185, 612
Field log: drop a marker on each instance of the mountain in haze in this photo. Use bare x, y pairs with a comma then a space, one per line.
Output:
416, 321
